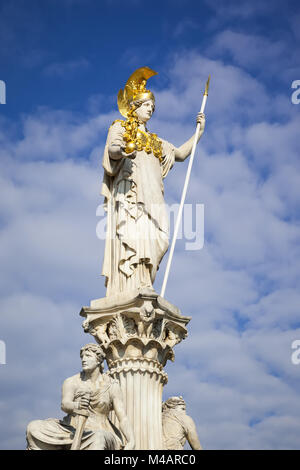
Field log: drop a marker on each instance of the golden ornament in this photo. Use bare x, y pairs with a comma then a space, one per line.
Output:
135, 90
130, 147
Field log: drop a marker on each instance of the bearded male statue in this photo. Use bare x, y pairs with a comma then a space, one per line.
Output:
178, 427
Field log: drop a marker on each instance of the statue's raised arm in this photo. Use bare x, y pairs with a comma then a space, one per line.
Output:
185, 149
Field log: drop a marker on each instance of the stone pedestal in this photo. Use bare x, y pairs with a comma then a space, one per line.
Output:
138, 332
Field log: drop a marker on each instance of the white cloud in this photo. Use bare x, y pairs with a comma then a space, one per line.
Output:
234, 369
259, 48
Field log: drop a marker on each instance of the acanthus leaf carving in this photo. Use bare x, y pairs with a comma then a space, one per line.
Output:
113, 329
130, 326
157, 328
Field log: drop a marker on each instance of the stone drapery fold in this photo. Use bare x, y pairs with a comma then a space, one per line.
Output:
137, 234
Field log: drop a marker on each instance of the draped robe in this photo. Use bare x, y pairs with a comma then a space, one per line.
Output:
137, 235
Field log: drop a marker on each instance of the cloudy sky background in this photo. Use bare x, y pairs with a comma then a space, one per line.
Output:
63, 64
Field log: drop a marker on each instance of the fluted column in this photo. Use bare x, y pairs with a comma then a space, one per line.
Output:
138, 333
142, 382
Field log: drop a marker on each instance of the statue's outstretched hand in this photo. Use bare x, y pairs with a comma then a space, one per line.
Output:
201, 120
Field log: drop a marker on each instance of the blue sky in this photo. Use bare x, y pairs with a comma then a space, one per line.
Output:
63, 63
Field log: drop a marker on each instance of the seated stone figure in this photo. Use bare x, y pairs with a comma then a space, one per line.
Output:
90, 392
178, 427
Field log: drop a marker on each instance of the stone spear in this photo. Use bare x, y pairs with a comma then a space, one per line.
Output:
187, 178
81, 420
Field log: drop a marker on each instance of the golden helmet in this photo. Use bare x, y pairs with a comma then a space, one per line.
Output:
135, 89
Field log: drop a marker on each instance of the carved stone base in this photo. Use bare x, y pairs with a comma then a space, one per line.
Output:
138, 332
